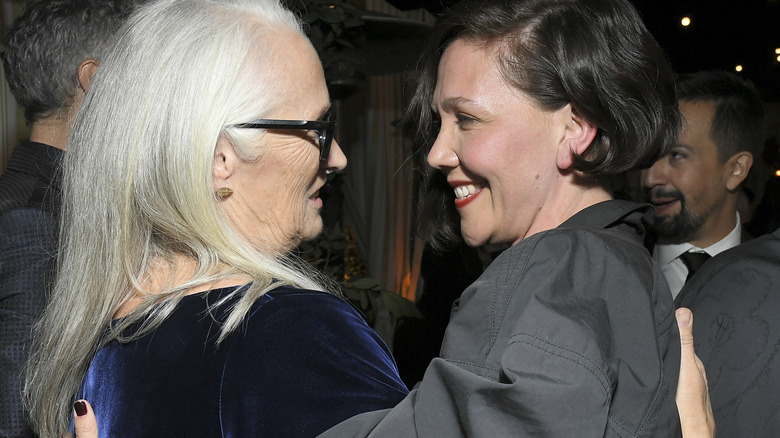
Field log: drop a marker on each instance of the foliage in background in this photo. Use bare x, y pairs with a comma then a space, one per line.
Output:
327, 253
334, 27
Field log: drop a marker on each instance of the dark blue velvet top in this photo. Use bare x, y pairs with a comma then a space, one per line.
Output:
301, 362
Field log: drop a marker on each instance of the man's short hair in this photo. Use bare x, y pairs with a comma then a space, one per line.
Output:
47, 43
739, 123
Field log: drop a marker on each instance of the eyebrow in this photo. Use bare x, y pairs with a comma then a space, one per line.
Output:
324, 112
687, 148
451, 103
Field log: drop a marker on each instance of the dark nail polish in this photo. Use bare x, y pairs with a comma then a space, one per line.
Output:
81, 408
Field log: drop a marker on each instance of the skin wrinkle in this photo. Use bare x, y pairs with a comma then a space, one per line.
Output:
272, 204
276, 226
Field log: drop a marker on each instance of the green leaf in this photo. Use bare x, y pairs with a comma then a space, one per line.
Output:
365, 283
400, 306
345, 43
331, 16
310, 16
354, 22
352, 294
365, 302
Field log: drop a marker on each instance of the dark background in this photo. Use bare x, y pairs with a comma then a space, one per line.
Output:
723, 34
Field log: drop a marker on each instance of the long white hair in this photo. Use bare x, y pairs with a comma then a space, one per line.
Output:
138, 183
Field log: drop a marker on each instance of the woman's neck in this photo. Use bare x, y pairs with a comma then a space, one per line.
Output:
164, 275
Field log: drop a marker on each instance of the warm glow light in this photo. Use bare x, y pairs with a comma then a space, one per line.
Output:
686, 21
777, 50
777, 172
738, 68
778, 58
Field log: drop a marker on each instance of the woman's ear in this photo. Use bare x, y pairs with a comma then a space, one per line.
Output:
578, 135
224, 165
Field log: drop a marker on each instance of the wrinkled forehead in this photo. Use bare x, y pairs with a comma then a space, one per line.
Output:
292, 69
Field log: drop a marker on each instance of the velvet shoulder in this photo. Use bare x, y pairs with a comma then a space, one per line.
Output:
303, 362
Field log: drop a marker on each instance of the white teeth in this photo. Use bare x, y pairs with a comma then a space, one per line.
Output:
462, 192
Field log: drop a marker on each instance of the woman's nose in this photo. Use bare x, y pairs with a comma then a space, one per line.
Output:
441, 155
336, 159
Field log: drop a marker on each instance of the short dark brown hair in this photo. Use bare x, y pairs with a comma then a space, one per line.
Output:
596, 55
739, 122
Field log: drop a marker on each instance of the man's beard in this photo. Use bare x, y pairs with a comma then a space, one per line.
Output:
679, 228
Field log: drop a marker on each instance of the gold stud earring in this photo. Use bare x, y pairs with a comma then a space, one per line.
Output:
223, 193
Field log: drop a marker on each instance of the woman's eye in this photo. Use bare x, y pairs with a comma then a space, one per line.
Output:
676, 155
463, 119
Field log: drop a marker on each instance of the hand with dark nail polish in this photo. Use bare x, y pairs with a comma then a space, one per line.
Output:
85, 423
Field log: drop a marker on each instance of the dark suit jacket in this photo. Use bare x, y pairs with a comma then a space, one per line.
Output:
735, 299
29, 207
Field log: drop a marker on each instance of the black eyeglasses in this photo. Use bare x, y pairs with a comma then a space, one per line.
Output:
324, 128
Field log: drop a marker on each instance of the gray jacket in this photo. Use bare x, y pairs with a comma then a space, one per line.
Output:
568, 333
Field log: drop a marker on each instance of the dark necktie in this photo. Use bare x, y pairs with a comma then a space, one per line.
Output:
693, 261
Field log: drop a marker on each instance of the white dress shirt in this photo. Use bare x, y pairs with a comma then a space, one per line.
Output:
668, 256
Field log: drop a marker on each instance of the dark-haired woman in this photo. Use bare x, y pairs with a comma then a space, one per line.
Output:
530, 108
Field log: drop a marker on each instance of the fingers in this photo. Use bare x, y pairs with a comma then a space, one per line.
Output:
693, 400
84, 420
685, 324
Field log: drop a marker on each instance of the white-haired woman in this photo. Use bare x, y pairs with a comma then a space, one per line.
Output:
517, 391
193, 169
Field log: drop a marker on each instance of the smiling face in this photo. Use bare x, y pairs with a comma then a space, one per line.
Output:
275, 202
688, 186
498, 150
